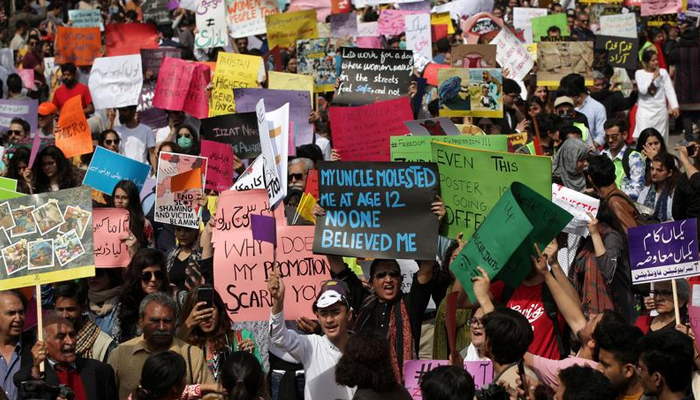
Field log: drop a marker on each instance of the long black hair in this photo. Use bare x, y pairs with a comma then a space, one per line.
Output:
160, 374
243, 377
137, 220
21, 155
66, 174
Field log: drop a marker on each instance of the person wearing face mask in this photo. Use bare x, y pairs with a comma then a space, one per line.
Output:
71, 88
188, 140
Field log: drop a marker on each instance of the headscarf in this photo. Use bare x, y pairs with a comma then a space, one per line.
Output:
564, 165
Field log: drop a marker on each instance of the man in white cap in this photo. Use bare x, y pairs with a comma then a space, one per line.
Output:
318, 354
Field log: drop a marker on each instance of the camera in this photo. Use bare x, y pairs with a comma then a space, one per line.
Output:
38, 390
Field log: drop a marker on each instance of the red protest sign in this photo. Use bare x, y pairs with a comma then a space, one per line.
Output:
312, 183
77, 45
124, 39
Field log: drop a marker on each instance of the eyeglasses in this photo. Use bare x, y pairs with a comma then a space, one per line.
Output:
615, 136
149, 276
661, 293
295, 176
383, 274
109, 142
476, 321
12, 132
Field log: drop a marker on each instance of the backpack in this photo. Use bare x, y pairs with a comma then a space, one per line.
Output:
550, 308
642, 214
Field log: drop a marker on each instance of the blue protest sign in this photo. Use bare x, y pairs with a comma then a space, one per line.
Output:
107, 168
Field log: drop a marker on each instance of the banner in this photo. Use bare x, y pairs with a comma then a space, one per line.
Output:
362, 133
85, 19
77, 45
239, 131
472, 181
131, 38
267, 152
512, 55
108, 168
413, 371
505, 253
25, 109
212, 29
418, 35
576, 204
659, 7
116, 81
619, 52
476, 92
317, 58
178, 205
73, 137
418, 148
43, 244
247, 18
109, 227
621, 25
232, 71
182, 87
377, 210
661, 252
540, 25
152, 59
558, 59
285, 29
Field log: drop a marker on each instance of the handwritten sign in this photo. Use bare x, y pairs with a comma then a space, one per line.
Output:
85, 19
234, 208
392, 22
232, 71
182, 87
73, 137
107, 168
152, 59
212, 26
621, 25
25, 109
247, 18
317, 59
418, 34
289, 81
432, 127
220, 172
418, 149
285, 29
659, 7
77, 45
413, 371
178, 208
109, 227
272, 177
377, 122
620, 52
239, 131
149, 115
116, 81
576, 204
512, 55
378, 210
665, 251
522, 19
124, 39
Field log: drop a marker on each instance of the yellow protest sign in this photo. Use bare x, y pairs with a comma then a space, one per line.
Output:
287, 81
285, 29
232, 71
443, 19
532, 50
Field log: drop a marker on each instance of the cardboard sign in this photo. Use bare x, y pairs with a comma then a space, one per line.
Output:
369, 75
413, 371
558, 59
174, 207
285, 29
432, 127
512, 55
317, 58
182, 87
220, 172
473, 56
116, 81
27, 76
620, 52
576, 204
472, 181
273, 184
234, 208
212, 29
418, 34
73, 137
442, 19
131, 38
44, 244
232, 71
530, 218
522, 20
377, 210
665, 251
540, 25
621, 25
418, 148
77, 45
659, 7
287, 81
108, 168
238, 131
85, 19
109, 227
470, 92
376, 122
152, 59
25, 109
247, 18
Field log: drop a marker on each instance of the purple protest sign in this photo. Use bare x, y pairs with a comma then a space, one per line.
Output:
665, 251
481, 371
25, 109
264, 228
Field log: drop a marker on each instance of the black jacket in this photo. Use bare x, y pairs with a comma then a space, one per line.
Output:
98, 378
686, 198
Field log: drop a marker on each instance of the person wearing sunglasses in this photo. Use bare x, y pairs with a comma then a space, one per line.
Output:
297, 171
19, 130
582, 27
661, 300
145, 274
109, 139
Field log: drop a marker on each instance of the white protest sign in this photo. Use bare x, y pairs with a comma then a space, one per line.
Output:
211, 24
418, 34
85, 19
116, 81
522, 17
464, 8
576, 204
278, 122
247, 17
621, 25
512, 55
368, 29
267, 153
252, 178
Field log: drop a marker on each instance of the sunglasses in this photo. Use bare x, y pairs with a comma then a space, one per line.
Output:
148, 276
10, 132
295, 176
383, 274
109, 142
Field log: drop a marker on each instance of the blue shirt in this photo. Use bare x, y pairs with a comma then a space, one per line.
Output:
596, 115
8, 371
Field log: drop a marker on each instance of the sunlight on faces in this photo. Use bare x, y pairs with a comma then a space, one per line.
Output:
158, 324
334, 319
386, 281
151, 278
476, 327
11, 316
60, 342
659, 173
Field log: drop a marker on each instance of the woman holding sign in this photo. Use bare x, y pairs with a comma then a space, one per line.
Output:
661, 300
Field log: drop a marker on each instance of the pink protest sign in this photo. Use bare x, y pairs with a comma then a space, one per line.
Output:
233, 211
196, 100
220, 168
659, 7
392, 22
369, 42
173, 83
109, 226
242, 267
27, 76
481, 371
694, 311
363, 133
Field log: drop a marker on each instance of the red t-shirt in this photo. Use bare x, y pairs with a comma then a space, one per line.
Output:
527, 300
63, 94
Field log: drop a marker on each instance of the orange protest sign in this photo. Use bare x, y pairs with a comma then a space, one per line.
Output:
77, 45
191, 179
73, 136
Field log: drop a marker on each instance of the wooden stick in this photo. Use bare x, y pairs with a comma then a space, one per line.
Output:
39, 320
675, 302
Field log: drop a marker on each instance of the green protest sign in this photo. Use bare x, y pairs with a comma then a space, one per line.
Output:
540, 25
472, 181
8, 184
505, 253
9, 194
417, 148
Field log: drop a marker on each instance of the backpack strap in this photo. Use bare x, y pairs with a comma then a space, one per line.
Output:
628, 200
626, 161
550, 308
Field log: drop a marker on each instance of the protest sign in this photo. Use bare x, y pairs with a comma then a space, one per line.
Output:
27, 76
252, 178
317, 58
522, 20
264, 228
392, 22
25, 109
234, 208
659, 7
472, 181
418, 148
7, 194
247, 18
242, 267
278, 123
540, 25
152, 59
340, 6
620, 52
369, 42
232, 71
77, 45
73, 137
531, 219
220, 171
174, 207
558, 59
267, 152
432, 127
131, 38
621, 25
473, 56
362, 133
662, 19
85, 19
413, 371
44, 244
693, 8
149, 115
343, 25
367, 29
239, 131
418, 34
312, 183
288, 81
116, 81
470, 92
512, 55
442, 19
369, 75
182, 87
8, 184
212, 28
158, 10
299, 108
285, 29
377, 210
576, 204
664, 251
107, 168
109, 227
464, 8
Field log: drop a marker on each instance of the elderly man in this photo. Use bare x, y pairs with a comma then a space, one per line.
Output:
88, 379
297, 171
157, 316
14, 345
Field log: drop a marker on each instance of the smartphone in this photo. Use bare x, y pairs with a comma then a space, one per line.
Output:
206, 295
691, 150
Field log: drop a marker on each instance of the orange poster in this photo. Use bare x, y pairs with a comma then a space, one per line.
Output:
77, 45
73, 136
187, 180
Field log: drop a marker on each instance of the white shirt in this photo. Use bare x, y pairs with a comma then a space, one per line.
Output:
136, 142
